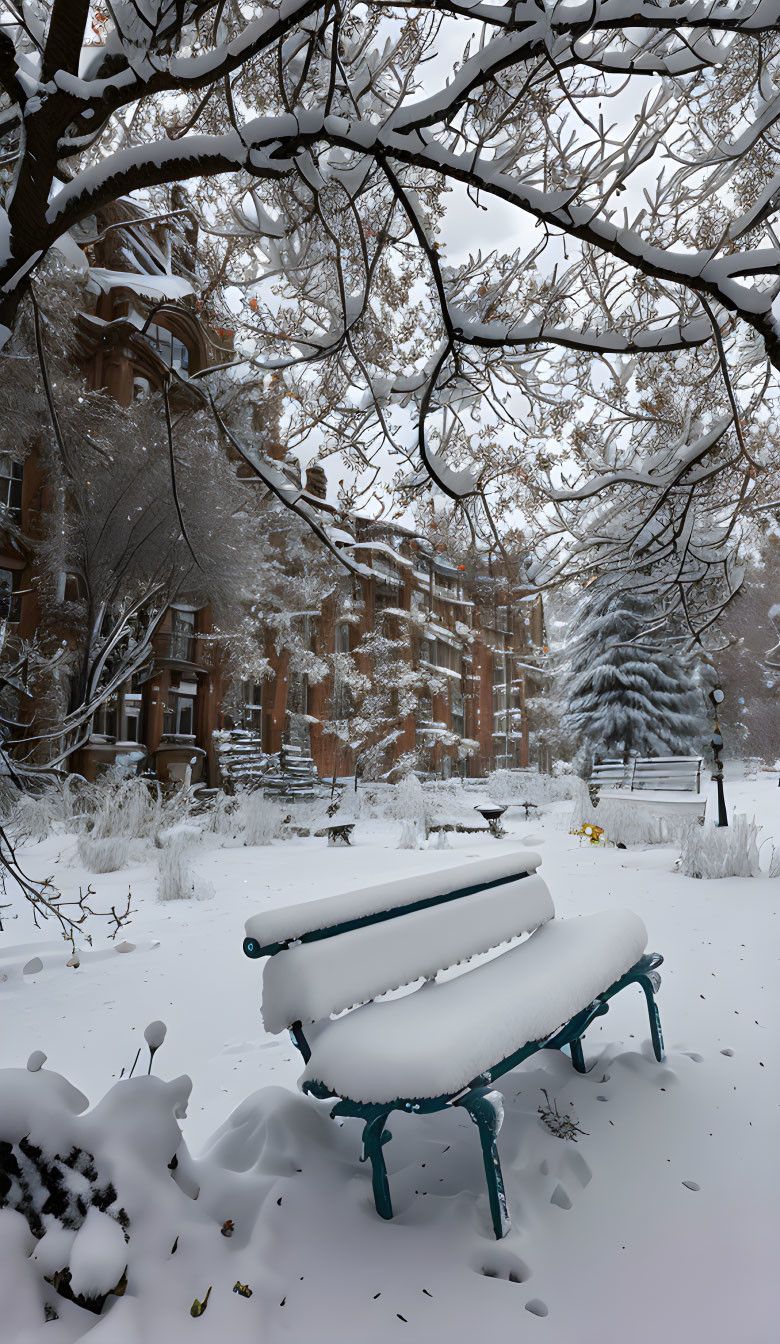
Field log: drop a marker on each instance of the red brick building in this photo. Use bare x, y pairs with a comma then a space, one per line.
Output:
460, 629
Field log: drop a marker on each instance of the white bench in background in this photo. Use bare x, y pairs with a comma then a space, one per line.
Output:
661, 782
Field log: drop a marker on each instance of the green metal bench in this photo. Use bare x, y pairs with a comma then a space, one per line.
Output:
447, 1042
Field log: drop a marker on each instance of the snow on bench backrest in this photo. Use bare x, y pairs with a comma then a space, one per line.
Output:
649, 772
274, 928
670, 772
309, 981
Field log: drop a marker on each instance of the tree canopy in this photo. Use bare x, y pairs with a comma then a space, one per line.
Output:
604, 376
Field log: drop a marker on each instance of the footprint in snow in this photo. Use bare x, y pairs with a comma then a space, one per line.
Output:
560, 1197
537, 1307
504, 1265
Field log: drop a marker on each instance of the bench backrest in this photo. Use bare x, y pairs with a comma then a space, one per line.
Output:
348, 965
681, 773
309, 921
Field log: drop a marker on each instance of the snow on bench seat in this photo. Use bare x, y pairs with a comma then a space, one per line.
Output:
309, 981
290, 922
434, 1041
660, 800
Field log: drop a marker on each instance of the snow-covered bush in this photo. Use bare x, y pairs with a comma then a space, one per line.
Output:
259, 819
410, 802
410, 835
57, 807
131, 808
721, 851
435, 802
635, 824
583, 813
34, 816
178, 881
73, 1184
221, 818
529, 786
105, 855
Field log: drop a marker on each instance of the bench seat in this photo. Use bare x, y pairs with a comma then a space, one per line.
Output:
661, 801
436, 1040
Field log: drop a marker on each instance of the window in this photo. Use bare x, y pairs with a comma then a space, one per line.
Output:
252, 705
179, 713
119, 717
105, 717
341, 637
182, 635
170, 349
423, 714
11, 473
457, 711
10, 602
130, 716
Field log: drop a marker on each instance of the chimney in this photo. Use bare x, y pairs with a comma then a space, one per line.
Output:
316, 481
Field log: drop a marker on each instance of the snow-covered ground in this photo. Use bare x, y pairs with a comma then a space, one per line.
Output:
608, 1241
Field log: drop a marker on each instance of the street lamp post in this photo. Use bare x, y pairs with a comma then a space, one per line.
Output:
716, 697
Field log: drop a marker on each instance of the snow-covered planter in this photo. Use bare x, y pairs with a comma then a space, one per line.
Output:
721, 851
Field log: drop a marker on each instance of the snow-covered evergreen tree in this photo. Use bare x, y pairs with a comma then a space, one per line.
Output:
623, 693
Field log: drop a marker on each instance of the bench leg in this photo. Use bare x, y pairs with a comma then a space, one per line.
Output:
374, 1136
651, 983
577, 1057
486, 1109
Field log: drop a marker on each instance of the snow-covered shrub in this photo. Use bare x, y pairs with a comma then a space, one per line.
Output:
410, 803
259, 819
132, 809
529, 786
82, 1180
410, 835
583, 813
222, 815
103, 856
34, 816
58, 806
178, 881
720, 851
635, 824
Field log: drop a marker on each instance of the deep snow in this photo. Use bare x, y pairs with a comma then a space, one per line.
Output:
607, 1243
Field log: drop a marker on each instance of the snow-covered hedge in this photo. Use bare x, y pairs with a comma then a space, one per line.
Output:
635, 824
529, 786
728, 851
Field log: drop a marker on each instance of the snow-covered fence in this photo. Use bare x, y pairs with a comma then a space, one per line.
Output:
721, 851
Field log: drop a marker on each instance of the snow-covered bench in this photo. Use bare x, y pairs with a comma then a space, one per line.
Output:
445, 1043
661, 782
